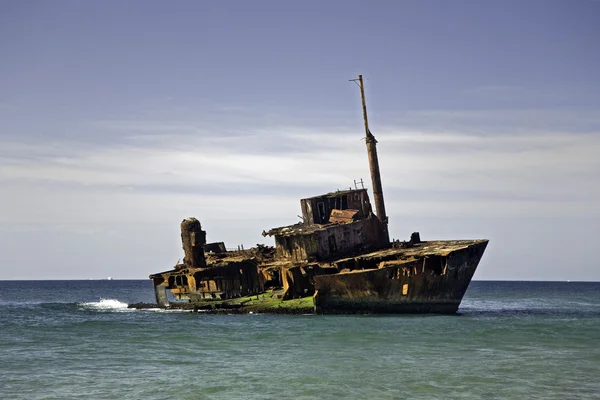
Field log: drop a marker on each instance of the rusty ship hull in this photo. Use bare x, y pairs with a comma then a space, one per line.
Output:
430, 278
409, 277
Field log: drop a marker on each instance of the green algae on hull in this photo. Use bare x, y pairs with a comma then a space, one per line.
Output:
267, 303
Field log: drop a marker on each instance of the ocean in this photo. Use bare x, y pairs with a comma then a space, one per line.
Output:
510, 340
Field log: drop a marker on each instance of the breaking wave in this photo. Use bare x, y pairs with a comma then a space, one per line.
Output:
118, 306
106, 305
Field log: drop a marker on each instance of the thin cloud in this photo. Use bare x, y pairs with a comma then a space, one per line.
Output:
424, 167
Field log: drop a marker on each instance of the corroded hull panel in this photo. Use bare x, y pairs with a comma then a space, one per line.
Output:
433, 283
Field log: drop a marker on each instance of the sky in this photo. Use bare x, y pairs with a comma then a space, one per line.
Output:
119, 119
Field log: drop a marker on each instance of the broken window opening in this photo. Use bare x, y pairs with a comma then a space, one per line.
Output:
341, 203
321, 209
435, 264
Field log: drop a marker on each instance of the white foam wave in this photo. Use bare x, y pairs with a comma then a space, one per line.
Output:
106, 305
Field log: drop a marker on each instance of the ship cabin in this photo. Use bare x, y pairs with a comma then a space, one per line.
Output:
334, 225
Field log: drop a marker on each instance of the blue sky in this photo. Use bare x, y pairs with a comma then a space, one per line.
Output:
119, 119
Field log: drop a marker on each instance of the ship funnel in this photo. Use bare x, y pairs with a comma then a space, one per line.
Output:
374, 166
193, 238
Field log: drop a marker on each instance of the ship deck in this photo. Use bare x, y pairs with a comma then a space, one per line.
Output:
429, 248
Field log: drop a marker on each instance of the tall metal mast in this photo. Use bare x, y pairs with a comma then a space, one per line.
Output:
374, 165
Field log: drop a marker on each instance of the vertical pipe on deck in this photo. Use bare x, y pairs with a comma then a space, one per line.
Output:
374, 167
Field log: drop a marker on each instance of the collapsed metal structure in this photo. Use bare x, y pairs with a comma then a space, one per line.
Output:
340, 255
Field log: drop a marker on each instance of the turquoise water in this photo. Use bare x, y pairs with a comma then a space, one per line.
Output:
512, 340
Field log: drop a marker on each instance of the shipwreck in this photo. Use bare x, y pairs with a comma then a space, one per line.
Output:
338, 259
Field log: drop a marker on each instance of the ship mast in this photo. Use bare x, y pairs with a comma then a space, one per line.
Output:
374, 165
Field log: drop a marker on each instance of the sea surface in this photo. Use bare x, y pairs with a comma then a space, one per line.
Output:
510, 340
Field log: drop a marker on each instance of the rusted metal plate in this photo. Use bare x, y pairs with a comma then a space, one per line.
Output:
343, 216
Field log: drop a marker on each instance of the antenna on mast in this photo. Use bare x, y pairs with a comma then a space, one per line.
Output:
373, 163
